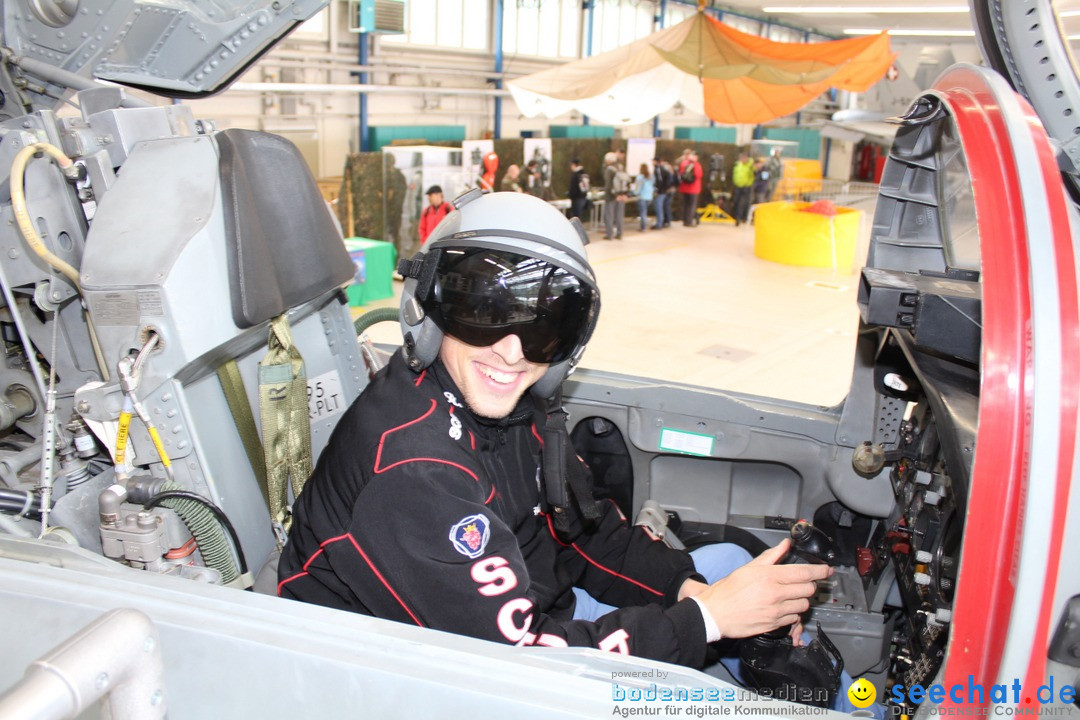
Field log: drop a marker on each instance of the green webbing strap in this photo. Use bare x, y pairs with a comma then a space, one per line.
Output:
286, 427
236, 395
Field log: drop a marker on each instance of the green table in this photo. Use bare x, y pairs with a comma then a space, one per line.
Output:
374, 262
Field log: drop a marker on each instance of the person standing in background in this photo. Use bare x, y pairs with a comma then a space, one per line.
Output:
669, 194
510, 180
760, 193
616, 187
433, 213
579, 189
644, 187
775, 168
742, 175
662, 182
533, 184
690, 173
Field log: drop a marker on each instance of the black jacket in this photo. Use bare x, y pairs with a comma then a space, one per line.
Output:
578, 189
420, 512
662, 179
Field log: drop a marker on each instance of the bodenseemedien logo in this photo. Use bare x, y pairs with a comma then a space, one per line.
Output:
1006, 699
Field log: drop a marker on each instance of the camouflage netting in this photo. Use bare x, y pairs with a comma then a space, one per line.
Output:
362, 195
363, 177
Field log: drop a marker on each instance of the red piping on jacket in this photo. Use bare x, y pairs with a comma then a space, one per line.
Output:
307, 563
383, 580
382, 440
366, 559
612, 572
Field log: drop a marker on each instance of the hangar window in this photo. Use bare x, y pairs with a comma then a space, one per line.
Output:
451, 24
747, 25
778, 33
676, 15
620, 23
546, 29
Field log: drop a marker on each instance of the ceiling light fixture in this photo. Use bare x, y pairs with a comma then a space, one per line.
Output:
856, 9
931, 33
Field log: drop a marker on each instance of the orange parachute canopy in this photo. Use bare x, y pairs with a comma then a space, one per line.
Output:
728, 75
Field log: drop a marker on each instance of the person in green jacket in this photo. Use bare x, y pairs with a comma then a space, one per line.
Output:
743, 177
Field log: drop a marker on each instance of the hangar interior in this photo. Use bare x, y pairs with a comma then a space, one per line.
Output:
177, 227
444, 69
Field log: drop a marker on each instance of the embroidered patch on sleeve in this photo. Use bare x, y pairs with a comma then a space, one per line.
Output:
470, 535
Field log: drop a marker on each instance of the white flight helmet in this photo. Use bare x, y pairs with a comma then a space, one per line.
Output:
503, 263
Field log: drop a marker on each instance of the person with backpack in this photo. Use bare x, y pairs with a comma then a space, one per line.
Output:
616, 192
643, 187
690, 174
579, 190
742, 175
662, 183
672, 188
433, 213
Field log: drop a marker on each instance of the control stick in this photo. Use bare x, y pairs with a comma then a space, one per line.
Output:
772, 662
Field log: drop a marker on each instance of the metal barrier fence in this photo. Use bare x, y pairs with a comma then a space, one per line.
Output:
811, 190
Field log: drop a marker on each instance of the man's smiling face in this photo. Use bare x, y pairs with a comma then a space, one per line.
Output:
491, 378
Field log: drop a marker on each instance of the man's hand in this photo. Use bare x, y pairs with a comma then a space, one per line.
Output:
690, 588
761, 595
796, 634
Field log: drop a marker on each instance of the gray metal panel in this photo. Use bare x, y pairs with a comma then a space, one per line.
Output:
177, 47
229, 653
750, 432
158, 259
165, 195
699, 490
765, 489
121, 130
678, 399
840, 607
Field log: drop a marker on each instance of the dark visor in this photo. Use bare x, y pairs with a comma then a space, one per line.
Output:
480, 296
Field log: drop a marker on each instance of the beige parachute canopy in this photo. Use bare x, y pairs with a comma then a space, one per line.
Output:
711, 68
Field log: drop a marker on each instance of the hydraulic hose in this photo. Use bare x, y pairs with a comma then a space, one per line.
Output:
206, 529
371, 317
19, 502
22, 216
220, 516
26, 227
367, 350
129, 370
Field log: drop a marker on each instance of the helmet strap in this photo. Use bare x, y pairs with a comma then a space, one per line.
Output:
567, 482
422, 267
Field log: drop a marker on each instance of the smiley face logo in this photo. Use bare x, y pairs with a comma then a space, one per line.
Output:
862, 693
